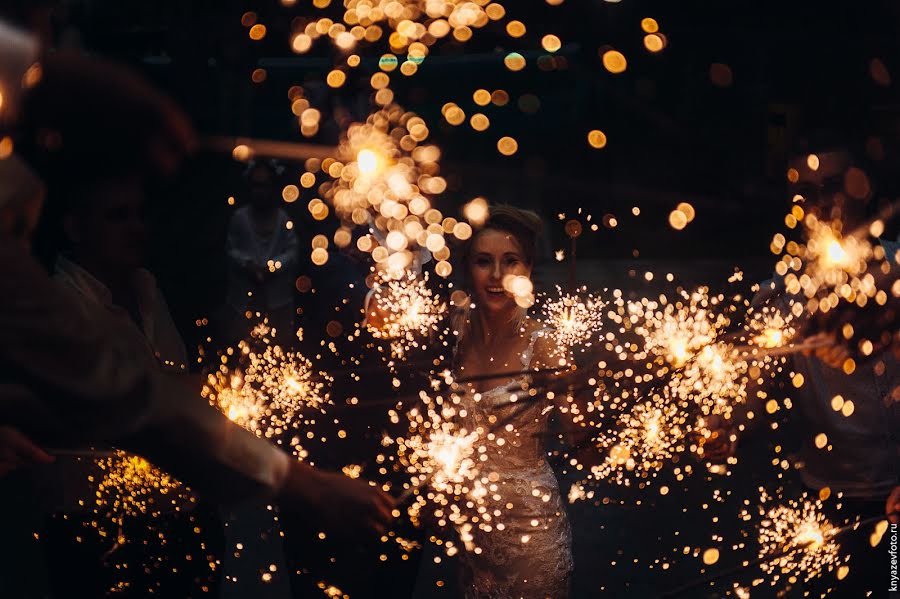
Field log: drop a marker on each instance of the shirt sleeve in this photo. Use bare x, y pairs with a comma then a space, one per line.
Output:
66, 374
237, 241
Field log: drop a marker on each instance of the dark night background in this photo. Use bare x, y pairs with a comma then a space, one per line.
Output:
802, 80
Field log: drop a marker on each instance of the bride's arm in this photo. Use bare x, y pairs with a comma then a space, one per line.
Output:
562, 382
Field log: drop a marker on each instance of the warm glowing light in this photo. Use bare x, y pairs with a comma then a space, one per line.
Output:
835, 254
367, 161
597, 139
507, 146
801, 525
614, 61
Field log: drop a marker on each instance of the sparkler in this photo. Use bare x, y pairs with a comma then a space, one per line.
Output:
648, 435
715, 379
769, 328
288, 380
270, 392
676, 331
834, 266
382, 177
131, 486
442, 457
800, 525
575, 320
438, 452
404, 312
810, 539
573, 229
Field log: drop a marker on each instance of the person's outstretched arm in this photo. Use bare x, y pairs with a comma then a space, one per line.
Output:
67, 375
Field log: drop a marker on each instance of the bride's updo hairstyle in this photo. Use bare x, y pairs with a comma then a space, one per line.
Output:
525, 227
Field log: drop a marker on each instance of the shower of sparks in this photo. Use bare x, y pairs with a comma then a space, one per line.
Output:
684, 333
643, 441
404, 312
677, 330
800, 523
269, 392
437, 453
768, 328
131, 486
829, 267
443, 459
715, 379
243, 408
288, 380
575, 319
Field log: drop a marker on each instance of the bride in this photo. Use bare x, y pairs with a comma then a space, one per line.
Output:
530, 553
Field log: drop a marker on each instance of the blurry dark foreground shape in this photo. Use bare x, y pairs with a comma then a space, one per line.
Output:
85, 111
69, 377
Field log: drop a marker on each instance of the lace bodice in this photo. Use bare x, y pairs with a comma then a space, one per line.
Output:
519, 443
528, 553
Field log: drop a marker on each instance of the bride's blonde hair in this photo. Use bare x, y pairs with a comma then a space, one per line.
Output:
526, 227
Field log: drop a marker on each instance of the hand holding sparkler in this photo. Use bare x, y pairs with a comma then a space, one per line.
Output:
718, 446
866, 330
337, 502
851, 282
828, 349
18, 450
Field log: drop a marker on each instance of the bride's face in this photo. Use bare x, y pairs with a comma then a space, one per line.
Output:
494, 255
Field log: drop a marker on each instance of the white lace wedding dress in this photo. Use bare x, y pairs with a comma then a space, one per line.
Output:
530, 554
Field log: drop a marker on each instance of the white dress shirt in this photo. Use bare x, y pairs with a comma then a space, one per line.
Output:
246, 245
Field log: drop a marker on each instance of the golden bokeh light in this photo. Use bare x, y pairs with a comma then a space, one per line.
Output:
257, 32
551, 43
336, 78
507, 146
515, 28
653, 42
688, 210
597, 139
649, 25
476, 211
479, 122
678, 220
290, 193
614, 61
514, 61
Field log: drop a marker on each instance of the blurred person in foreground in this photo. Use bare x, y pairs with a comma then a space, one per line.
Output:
101, 265
69, 378
263, 256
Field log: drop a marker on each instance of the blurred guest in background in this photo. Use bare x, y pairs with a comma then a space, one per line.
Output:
263, 255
